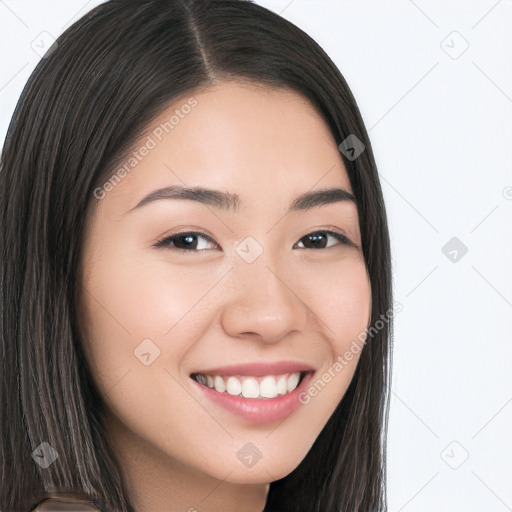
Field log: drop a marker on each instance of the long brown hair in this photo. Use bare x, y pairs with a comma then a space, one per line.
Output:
109, 75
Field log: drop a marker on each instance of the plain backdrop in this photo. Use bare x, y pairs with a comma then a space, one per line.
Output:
433, 80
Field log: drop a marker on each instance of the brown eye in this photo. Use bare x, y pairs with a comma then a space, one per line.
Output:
319, 239
186, 241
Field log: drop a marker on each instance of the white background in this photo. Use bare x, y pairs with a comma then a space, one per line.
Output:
440, 122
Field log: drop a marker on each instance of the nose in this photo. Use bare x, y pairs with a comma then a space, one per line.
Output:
263, 303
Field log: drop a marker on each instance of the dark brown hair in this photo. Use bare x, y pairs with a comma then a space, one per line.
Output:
86, 103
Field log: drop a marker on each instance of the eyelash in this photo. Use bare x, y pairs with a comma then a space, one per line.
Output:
166, 241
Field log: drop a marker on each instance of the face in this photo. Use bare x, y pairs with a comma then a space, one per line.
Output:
252, 293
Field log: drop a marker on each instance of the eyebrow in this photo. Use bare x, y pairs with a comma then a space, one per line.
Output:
231, 202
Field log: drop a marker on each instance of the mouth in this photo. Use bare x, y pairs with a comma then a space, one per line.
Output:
259, 393
265, 387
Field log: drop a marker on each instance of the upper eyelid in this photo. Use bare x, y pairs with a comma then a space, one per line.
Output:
332, 232
161, 241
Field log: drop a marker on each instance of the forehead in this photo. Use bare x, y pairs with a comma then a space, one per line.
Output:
251, 139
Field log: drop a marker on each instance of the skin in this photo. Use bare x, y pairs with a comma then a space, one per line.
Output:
178, 450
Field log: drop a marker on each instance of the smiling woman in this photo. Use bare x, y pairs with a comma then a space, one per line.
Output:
182, 287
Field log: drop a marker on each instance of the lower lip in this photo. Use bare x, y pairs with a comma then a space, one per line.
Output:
258, 410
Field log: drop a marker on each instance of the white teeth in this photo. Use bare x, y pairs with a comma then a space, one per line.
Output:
281, 386
250, 388
234, 387
292, 382
270, 386
218, 383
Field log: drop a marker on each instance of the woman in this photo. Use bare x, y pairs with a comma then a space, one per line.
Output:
196, 274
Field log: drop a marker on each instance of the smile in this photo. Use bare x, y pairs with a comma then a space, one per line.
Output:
265, 387
260, 393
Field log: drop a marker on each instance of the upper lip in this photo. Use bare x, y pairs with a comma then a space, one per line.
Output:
258, 369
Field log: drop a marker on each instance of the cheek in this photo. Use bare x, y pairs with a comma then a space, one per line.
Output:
135, 305
343, 306
341, 298
130, 296
351, 306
